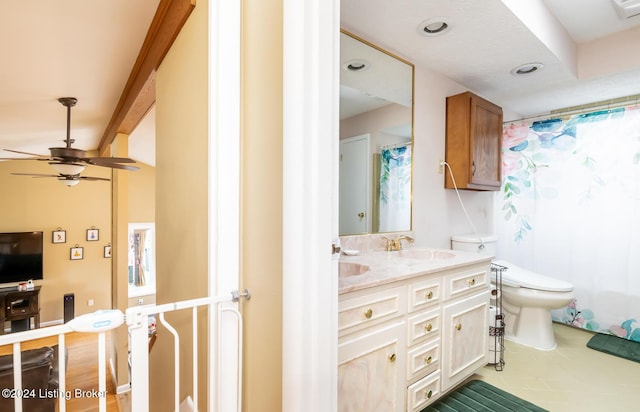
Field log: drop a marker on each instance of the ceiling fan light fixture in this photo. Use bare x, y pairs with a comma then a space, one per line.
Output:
70, 182
527, 68
434, 26
68, 169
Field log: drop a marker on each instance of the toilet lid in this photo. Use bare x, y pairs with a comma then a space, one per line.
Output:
519, 277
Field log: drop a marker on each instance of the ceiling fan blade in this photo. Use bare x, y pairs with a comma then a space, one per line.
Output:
91, 178
27, 153
34, 174
116, 166
109, 160
24, 158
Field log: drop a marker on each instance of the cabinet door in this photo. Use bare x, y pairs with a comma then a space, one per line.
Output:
486, 137
371, 369
464, 340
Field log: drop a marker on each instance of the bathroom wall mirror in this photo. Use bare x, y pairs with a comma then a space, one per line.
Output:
376, 139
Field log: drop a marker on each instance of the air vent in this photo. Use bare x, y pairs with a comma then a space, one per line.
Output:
627, 8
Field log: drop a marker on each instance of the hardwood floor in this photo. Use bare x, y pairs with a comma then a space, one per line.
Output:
82, 370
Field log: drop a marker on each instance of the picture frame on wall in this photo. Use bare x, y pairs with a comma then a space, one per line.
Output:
107, 251
76, 253
93, 235
59, 236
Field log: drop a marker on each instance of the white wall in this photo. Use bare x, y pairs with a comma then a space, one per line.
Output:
437, 214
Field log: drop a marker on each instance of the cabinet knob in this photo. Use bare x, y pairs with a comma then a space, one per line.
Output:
428, 327
392, 357
428, 360
459, 326
471, 282
368, 313
428, 395
429, 295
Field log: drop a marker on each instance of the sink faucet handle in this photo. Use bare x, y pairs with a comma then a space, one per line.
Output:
389, 243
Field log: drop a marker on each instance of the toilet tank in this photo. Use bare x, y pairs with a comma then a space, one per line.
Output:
473, 243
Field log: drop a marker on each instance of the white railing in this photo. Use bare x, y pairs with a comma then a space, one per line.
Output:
137, 319
98, 322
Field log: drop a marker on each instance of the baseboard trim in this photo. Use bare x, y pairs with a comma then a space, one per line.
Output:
120, 389
52, 322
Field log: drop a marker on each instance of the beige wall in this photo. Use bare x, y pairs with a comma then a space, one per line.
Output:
142, 209
45, 204
181, 202
181, 207
262, 202
142, 194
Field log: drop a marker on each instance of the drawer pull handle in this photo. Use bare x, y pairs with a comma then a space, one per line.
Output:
392, 357
459, 326
428, 360
428, 327
368, 313
428, 395
429, 295
471, 282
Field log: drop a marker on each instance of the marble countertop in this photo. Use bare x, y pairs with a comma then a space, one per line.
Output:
380, 267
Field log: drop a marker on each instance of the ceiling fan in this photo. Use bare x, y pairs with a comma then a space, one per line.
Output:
69, 162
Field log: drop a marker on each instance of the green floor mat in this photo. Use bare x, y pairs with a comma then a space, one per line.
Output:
616, 346
479, 396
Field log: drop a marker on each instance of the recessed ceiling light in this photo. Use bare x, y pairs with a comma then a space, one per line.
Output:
434, 26
356, 65
527, 68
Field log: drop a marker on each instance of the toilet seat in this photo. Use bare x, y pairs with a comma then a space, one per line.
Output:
516, 276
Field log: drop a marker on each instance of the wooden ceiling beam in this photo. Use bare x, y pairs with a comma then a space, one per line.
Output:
138, 95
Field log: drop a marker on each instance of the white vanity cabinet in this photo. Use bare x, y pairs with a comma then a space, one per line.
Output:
404, 344
371, 350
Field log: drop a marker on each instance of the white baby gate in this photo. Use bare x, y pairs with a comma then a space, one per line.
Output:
136, 318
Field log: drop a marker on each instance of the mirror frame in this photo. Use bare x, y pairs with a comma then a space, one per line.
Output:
413, 103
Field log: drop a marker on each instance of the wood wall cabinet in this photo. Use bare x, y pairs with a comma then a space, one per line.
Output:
473, 142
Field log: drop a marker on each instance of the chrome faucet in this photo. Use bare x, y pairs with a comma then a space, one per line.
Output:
396, 244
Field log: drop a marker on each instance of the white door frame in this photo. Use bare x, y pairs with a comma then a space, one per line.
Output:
310, 204
224, 191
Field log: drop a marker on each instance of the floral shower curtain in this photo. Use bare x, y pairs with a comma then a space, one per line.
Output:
395, 189
570, 209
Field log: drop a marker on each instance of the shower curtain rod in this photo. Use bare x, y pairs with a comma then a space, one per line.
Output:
393, 146
585, 108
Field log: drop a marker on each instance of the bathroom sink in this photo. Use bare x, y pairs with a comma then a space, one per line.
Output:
424, 254
350, 269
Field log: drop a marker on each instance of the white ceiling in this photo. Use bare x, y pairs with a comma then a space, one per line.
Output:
487, 38
76, 48
86, 49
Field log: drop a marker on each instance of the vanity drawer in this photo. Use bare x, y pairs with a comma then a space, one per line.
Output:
460, 283
423, 392
423, 326
424, 293
423, 359
371, 307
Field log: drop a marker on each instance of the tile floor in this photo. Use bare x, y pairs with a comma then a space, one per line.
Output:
570, 378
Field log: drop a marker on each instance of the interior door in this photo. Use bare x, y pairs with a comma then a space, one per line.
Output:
355, 185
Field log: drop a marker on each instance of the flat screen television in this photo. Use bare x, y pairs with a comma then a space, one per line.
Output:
20, 256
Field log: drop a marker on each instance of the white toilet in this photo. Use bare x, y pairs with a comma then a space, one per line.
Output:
527, 297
